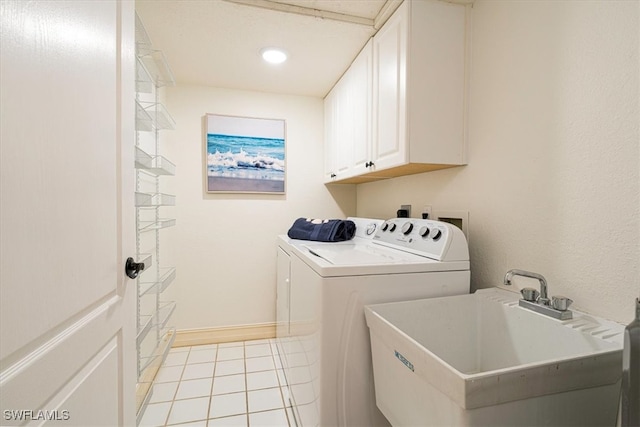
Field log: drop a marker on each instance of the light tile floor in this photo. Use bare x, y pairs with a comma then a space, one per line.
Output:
220, 385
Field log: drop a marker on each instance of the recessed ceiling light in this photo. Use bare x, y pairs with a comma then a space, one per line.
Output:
273, 55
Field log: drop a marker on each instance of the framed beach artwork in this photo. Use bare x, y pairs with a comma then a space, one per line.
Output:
244, 155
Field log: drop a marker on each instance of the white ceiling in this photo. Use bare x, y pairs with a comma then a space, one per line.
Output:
217, 42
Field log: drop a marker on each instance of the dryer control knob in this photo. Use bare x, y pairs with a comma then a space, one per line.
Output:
385, 226
424, 231
407, 227
392, 227
436, 234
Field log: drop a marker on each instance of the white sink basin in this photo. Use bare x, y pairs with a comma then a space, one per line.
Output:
481, 359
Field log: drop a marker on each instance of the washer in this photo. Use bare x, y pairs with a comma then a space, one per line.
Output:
322, 335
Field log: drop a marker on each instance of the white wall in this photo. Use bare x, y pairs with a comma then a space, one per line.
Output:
553, 179
224, 245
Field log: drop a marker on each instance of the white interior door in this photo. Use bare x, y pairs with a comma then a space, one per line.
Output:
67, 311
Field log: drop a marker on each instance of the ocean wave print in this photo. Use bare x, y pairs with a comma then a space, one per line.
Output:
245, 157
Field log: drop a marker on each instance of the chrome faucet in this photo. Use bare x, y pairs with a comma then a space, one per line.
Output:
542, 299
539, 302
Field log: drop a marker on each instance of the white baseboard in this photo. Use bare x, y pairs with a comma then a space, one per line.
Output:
203, 336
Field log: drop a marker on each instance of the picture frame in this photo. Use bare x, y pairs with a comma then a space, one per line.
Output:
244, 154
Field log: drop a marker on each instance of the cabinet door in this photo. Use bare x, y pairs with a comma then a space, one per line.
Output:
338, 132
390, 71
361, 79
348, 120
344, 127
330, 131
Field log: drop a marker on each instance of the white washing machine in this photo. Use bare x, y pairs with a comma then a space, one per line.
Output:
322, 290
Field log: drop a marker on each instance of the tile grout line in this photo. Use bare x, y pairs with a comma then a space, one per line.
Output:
184, 367
246, 382
213, 379
275, 365
175, 393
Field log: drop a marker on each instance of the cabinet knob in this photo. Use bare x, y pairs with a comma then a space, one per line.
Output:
368, 164
132, 268
333, 175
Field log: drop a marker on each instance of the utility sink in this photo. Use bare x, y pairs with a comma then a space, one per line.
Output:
480, 359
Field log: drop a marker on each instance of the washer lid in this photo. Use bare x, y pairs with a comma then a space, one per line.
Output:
358, 254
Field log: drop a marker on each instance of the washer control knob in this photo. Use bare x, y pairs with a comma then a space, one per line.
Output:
385, 226
392, 227
436, 234
371, 228
407, 227
424, 231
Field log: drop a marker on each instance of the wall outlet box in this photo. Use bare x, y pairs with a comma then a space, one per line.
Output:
458, 218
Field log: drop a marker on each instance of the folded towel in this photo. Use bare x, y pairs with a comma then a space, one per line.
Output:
327, 230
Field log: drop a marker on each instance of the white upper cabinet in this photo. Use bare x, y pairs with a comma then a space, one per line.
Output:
406, 97
348, 120
338, 131
390, 85
361, 82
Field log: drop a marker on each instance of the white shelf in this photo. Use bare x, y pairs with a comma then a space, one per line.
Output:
155, 165
144, 83
155, 337
144, 122
156, 225
149, 200
158, 68
156, 321
153, 60
147, 260
168, 337
166, 278
164, 313
159, 116
146, 324
143, 42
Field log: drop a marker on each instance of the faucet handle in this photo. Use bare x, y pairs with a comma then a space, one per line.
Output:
530, 294
560, 302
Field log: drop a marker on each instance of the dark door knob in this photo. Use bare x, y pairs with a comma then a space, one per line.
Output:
132, 268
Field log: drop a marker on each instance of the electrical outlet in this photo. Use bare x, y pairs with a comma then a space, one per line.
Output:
426, 209
407, 208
